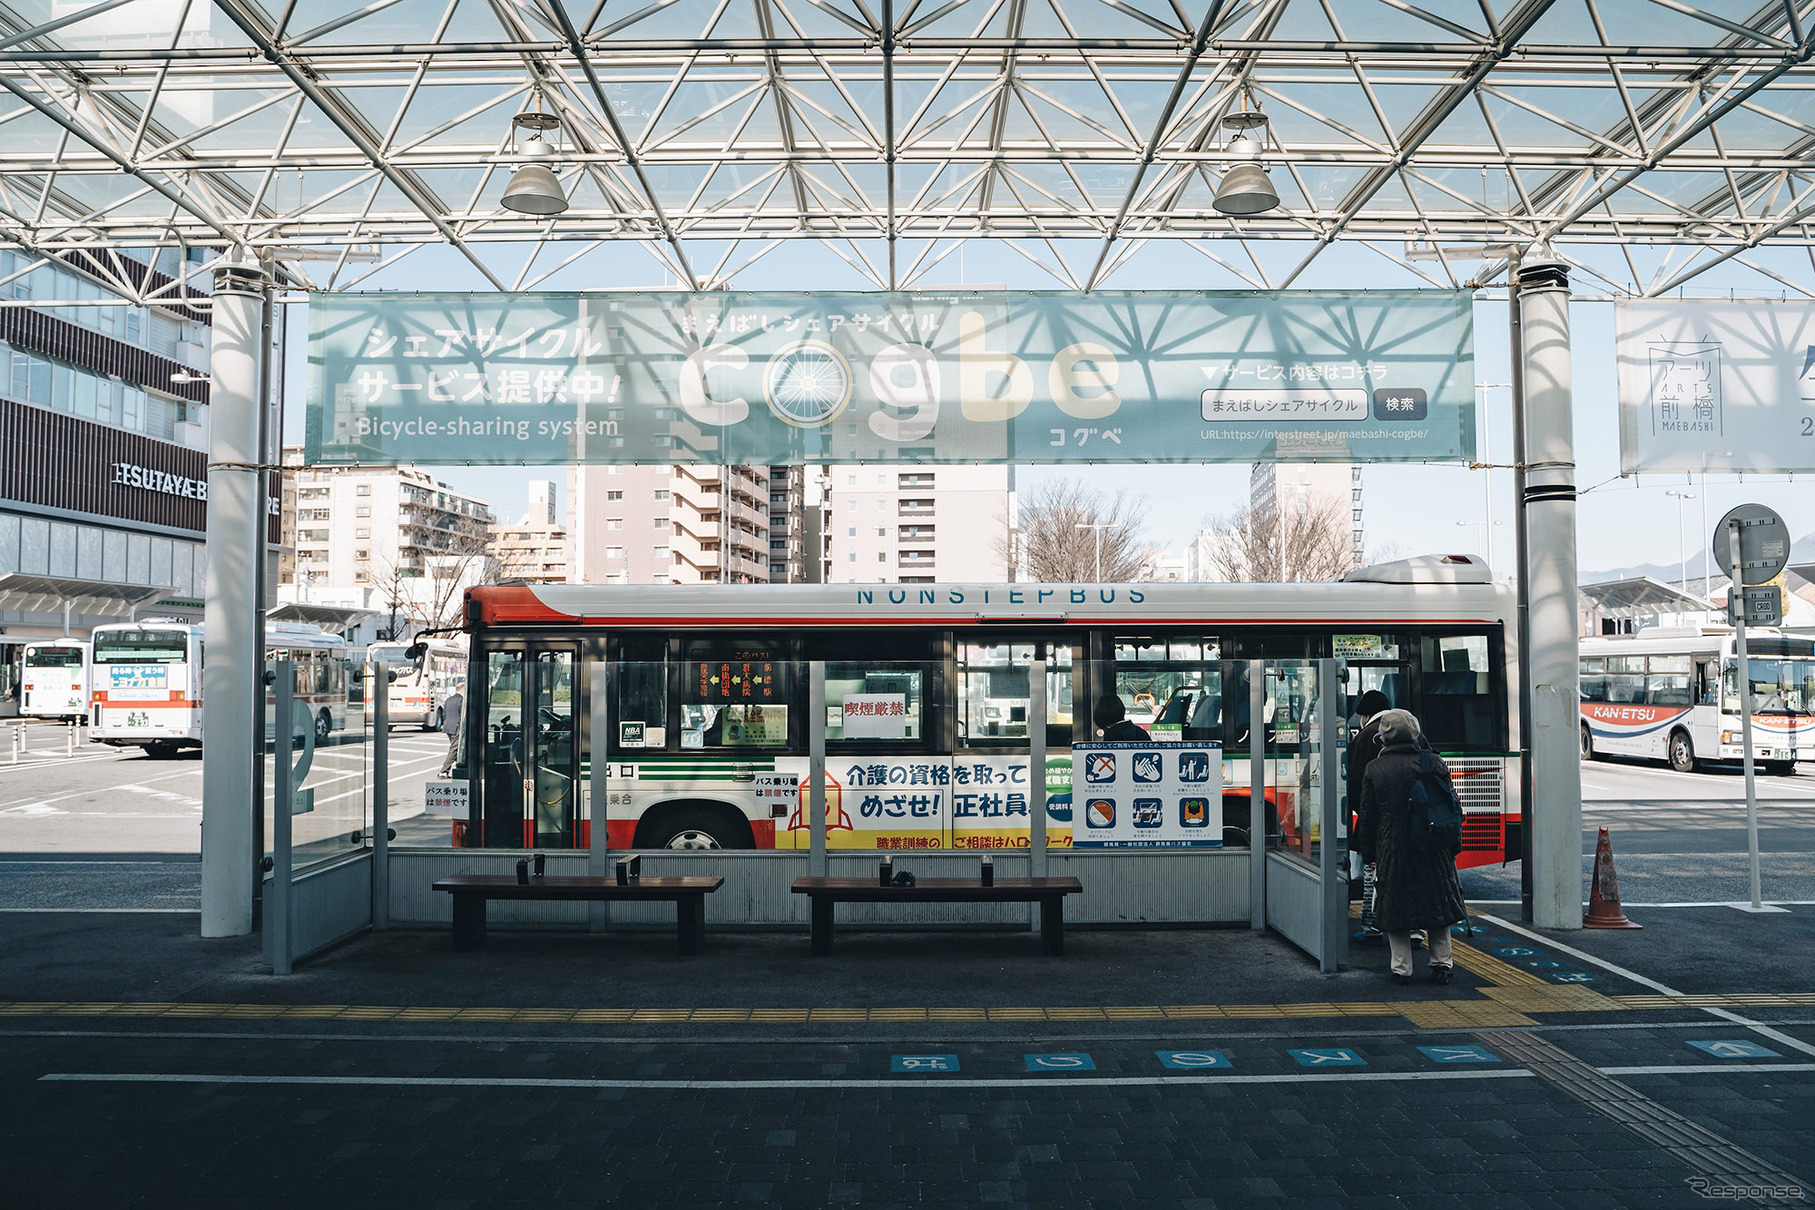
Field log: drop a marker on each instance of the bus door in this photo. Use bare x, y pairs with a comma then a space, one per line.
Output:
991, 734
529, 760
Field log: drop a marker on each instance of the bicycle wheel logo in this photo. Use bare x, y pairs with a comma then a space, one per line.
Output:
807, 384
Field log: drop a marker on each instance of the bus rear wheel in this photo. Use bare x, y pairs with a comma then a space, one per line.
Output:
694, 827
1682, 753
1781, 768
324, 723
1587, 743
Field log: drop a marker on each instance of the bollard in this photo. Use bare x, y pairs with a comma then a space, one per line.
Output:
15, 730
69, 740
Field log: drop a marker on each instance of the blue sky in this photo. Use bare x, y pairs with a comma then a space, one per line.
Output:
1413, 507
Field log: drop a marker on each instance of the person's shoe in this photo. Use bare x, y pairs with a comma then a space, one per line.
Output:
1440, 974
1402, 980
1369, 937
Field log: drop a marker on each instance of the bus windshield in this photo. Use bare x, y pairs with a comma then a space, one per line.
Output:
140, 647
1779, 686
53, 657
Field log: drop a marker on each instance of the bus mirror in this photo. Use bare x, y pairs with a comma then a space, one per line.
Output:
415, 650
390, 676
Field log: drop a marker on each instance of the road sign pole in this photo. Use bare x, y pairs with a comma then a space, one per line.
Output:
1738, 590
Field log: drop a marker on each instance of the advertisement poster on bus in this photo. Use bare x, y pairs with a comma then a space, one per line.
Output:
920, 802
1716, 385
915, 377
1148, 795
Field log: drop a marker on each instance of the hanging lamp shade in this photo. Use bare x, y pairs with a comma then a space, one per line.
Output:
1245, 189
533, 189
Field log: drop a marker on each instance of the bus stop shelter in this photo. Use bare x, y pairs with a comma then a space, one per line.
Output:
1528, 148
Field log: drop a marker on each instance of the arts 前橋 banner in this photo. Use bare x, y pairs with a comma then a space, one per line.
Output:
1716, 385
986, 376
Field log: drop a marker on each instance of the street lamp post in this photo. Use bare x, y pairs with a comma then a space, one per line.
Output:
1682, 551
1099, 527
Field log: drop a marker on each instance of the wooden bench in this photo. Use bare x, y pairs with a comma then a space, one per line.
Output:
471, 891
1049, 893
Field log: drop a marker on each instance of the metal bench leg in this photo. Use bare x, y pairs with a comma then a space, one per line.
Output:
1052, 924
469, 921
822, 924
690, 922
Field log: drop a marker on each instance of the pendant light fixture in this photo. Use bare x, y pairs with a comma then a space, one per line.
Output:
533, 188
1245, 187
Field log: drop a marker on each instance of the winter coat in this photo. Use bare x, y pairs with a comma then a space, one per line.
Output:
1124, 732
1362, 751
1415, 889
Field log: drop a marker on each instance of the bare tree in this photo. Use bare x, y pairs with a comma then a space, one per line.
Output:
1062, 523
1263, 545
468, 559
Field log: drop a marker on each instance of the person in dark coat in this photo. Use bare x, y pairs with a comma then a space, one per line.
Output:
1112, 717
1362, 751
1416, 889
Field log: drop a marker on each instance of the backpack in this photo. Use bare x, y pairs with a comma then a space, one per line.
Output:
1434, 821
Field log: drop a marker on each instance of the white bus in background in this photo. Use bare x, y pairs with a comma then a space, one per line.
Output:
421, 686
147, 681
1674, 696
55, 680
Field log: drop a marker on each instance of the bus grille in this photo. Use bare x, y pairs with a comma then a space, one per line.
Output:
1479, 784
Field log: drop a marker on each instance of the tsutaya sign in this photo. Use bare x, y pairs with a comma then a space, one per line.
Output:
906, 377
1716, 385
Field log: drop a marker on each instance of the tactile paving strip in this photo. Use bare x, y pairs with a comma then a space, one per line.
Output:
1722, 1164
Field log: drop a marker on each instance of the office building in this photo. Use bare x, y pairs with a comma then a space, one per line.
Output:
103, 440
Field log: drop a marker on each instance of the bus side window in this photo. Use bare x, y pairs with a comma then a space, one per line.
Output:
1707, 684
1592, 680
1457, 692
640, 701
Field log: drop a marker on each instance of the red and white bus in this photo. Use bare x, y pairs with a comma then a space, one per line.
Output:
707, 690
147, 690
55, 680
419, 686
1674, 696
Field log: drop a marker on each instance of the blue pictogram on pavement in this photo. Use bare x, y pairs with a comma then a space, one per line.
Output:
1192, 1060
1062, 1062
923, 1062
1459, 1054
1331, 1056
1736, 1048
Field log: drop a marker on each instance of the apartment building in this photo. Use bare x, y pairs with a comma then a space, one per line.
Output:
374, 535
1285, 488
917, 525
669, 524
535, 550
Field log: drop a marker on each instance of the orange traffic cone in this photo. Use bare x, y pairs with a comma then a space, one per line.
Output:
1604, 894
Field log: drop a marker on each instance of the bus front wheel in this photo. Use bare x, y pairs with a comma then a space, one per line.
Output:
324, 723
436, 725
1682, 752
1587, 743
694, 827
1781, 768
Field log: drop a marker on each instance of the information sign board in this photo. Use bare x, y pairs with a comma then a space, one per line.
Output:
1716, 385
1151, 795
909, 377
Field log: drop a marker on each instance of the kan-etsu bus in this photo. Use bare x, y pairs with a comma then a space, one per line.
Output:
54, 683
147, 681
1673, 695
705, 739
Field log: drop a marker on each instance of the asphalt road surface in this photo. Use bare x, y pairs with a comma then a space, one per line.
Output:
111, 828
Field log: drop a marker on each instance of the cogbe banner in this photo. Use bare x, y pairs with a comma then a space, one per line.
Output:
994, 376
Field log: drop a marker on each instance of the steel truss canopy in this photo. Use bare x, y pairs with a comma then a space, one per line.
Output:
1648, 140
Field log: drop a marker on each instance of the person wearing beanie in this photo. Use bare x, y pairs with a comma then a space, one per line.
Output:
1362, 751
1418, 888
1112, 717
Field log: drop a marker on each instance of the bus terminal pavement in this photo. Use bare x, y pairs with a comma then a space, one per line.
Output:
143, 1065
